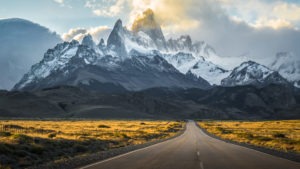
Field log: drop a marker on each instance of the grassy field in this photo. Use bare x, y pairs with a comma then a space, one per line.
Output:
280, 135
28, 143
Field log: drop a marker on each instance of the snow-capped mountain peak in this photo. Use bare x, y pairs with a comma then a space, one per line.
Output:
254, 69
147, 23
252, 73
101, 44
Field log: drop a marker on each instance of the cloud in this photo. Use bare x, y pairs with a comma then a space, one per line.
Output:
79, 33
59, 1
264, 13
173, 15
170, 13
106, 8
72, 33
64, 3
272, 23
287, 11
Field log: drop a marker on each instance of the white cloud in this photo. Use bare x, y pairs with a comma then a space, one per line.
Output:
106, 8
59, 1
79, 33
287, 11
257, 13
72, 33
272, 23
64, 3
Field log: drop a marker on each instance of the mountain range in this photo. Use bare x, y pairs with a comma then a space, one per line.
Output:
141, 58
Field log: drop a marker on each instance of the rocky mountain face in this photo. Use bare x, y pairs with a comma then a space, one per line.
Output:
116, 39
252, 73
146, 23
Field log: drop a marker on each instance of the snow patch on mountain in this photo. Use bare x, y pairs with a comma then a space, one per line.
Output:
209, 71
182, 61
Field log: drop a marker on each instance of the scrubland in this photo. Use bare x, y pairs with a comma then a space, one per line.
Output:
25, 143
283, 135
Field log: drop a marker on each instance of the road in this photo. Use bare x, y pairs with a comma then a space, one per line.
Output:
195, 150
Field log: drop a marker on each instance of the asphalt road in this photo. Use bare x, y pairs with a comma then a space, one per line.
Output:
195, 150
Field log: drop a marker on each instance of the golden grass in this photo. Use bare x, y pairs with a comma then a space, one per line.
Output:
26, 143
78, 130
283, 135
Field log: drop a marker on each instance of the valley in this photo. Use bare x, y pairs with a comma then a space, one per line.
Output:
244, 102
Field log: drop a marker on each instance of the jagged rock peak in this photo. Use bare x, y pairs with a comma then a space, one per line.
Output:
148, 24
118, 25
101, 43
115, 40
252, 73
88, 40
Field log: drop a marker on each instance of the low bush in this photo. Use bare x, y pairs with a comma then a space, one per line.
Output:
51, 135
103, 126
223, 131
279, 135
246, 135
22, 138
5, 134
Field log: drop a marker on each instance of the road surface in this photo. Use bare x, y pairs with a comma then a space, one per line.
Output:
195, 150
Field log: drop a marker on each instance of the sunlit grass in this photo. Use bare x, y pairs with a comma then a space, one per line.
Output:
281, 135
27, 143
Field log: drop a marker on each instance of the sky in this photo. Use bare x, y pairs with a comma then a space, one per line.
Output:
255, 29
